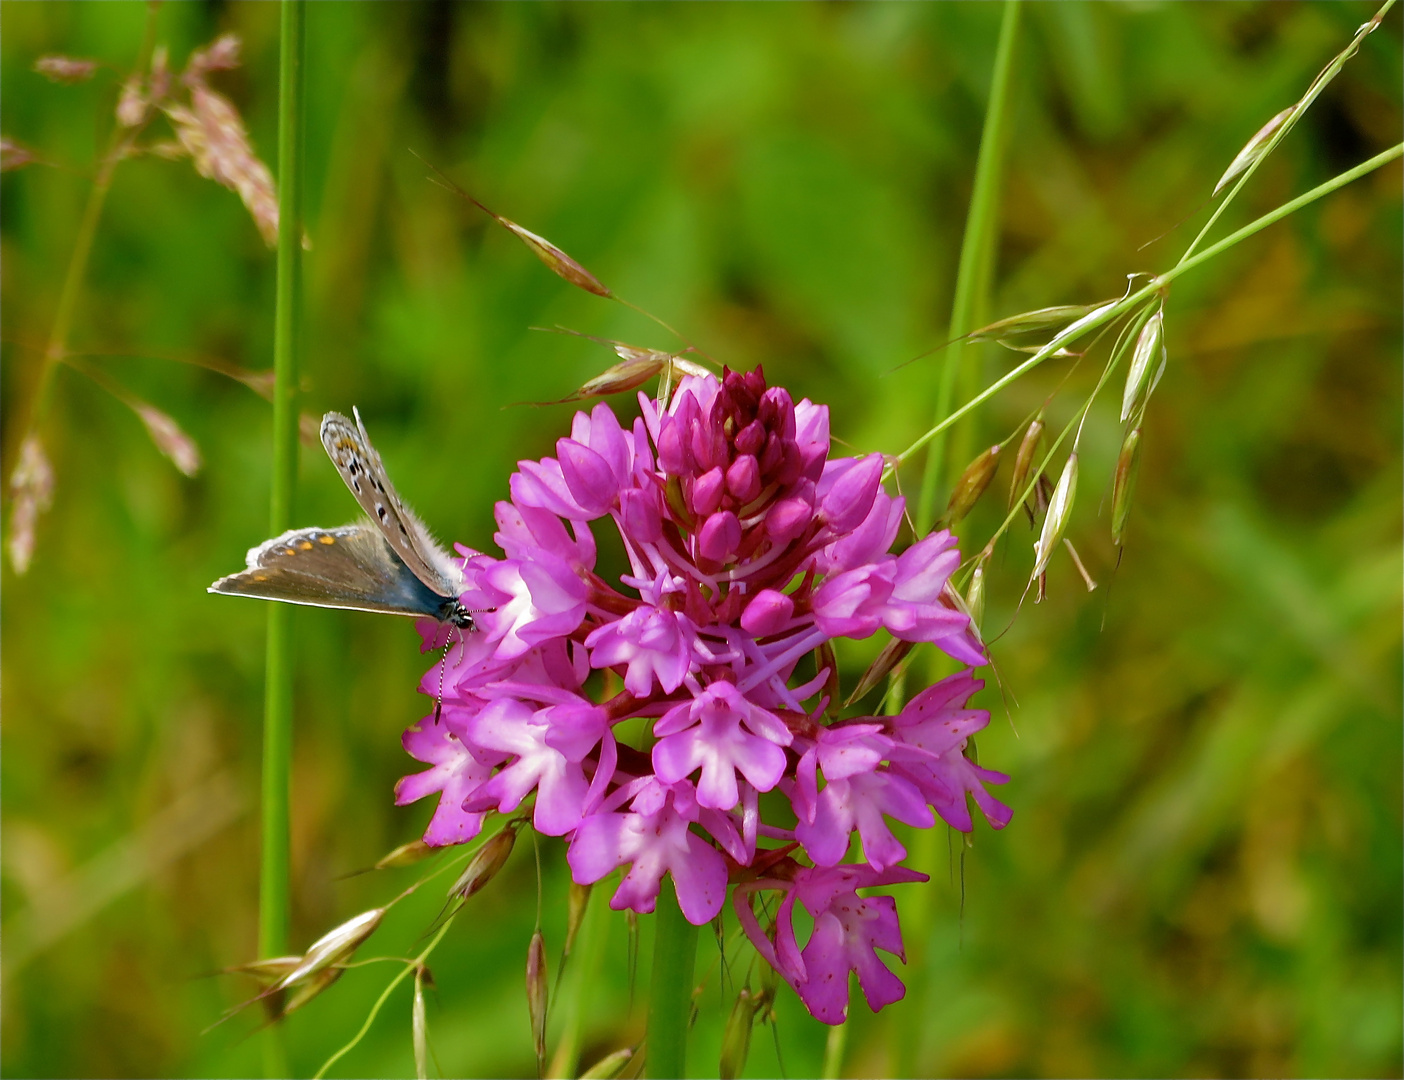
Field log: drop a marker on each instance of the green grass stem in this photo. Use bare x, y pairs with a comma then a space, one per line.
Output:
274, 902
670, 995
972, 289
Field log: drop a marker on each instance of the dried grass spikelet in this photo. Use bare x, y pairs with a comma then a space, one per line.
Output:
13, 155
133, 106
1038, 321
557, 260
1253, 149
538, 995
1124, 484
609, 1066
169, 438
213, 133
972, 484
486, 862
333, 947
1150, 347
31, 493
1056, 520
65, 69
1024, 459
736, 1037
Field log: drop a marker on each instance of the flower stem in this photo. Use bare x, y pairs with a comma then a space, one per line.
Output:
972, 287
1131, 300
278, 692
670, 997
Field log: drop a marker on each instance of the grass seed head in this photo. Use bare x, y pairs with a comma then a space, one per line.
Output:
1024, 458
1124, 483
972, 484
1056, 520
632, 372
334, 947
132, 104
13, 155
313, 986
1254, 148
419, 1027
608, 1067
736, 1039
266, 972
31, 492
65, 69
577, 903
169, 438
538, 994
1032, 322
407, 855
1150, 347
975, 595
486, 862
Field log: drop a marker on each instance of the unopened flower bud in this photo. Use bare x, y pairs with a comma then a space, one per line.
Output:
736, 1039
1023, 459
334, 946
972, 484
538, 992
486, 862
1150, 346
1124, 483
1056, 520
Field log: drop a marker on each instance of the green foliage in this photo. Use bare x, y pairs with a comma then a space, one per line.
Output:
1203, 874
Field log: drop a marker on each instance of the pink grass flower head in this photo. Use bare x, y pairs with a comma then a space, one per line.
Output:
749, 550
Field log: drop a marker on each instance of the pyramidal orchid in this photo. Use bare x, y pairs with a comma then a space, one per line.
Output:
750, 549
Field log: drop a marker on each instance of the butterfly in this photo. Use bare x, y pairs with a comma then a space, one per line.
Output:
389, 563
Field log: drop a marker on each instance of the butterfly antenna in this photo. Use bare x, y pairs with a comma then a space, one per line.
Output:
455, 638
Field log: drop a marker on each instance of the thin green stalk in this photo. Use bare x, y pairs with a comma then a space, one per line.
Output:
834, 1047
670, 996
56, 348
580, 982
1114, 311
278, 692
976, 266
1313, 92
408, 970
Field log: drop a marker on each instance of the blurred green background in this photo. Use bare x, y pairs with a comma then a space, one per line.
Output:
1203, 874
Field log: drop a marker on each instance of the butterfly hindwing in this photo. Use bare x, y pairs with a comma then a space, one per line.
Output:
347, 567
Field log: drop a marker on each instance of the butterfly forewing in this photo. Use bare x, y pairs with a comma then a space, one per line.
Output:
346, 567
356, 459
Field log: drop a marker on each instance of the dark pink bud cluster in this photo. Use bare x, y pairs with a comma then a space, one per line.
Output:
750, 550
